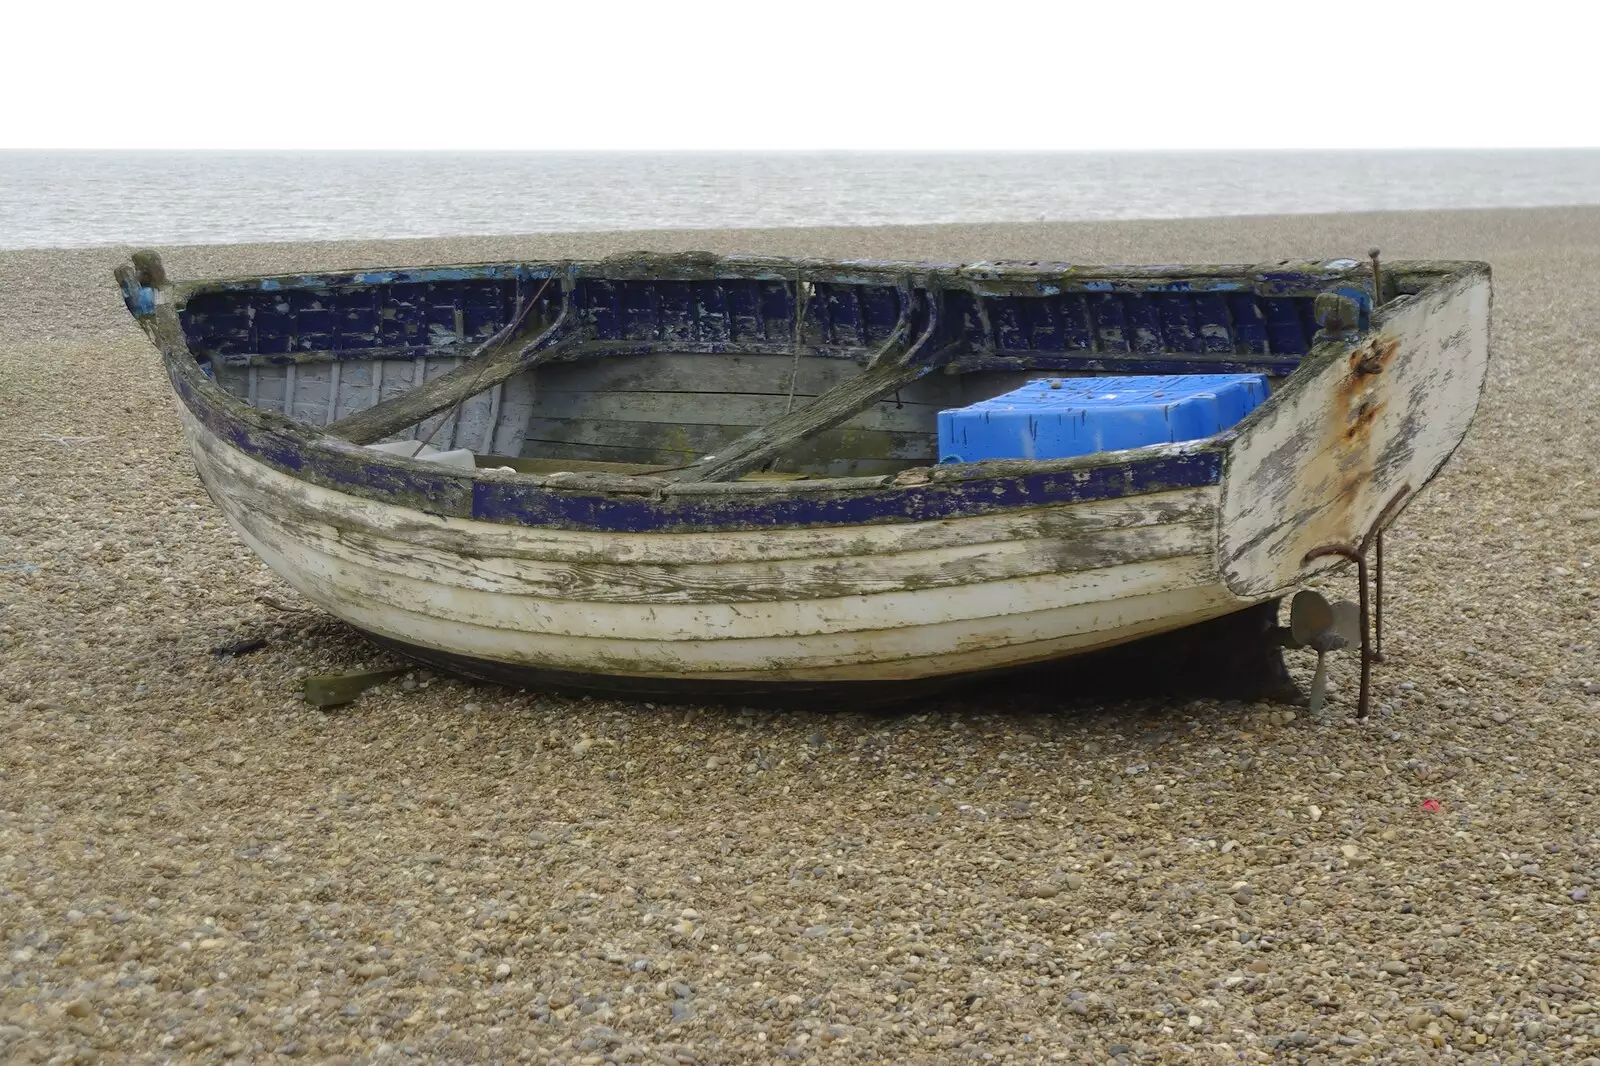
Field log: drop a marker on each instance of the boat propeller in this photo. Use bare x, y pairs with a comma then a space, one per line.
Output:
1323, 627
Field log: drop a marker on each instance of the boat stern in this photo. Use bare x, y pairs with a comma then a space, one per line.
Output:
1356, 433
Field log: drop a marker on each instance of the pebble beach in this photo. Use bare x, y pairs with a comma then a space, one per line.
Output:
198, 866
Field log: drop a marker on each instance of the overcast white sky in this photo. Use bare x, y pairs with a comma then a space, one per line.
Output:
814, 74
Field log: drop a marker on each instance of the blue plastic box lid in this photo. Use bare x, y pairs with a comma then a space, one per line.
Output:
1053, 418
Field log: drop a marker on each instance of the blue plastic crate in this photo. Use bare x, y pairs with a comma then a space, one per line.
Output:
1053, 418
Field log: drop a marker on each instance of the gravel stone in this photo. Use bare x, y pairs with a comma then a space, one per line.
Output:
197, 867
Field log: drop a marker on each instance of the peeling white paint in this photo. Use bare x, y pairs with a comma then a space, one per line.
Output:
648, 604
1319, 464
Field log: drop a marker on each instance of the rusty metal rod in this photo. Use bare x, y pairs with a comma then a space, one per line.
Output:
1377, 604
1377, 279
1357, 553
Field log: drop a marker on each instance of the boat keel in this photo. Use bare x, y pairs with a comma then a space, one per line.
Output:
1237, 656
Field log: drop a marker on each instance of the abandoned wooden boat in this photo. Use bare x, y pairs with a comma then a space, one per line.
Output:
717, 476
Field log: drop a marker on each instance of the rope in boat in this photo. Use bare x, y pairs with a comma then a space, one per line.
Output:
510, 327
802, 296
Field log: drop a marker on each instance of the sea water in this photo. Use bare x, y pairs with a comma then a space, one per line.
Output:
64, 199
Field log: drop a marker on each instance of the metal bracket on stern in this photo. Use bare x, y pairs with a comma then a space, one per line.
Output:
1326, 627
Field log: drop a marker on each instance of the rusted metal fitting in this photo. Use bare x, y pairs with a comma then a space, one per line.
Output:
1370, 356
1371, 621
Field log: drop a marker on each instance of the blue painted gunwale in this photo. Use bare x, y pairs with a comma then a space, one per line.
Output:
615, 504
1066, 317
652, 505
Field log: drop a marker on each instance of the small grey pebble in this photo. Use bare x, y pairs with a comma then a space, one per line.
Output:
682, 1012
1579, 894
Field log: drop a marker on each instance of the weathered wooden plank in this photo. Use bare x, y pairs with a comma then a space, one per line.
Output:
879, 616
524, 464
1138, 617
844, 442
811, 462
752, 374
331, 411
830, 409
333, 690
310, 392
509, 353
670, 373
342, 355
516, 402
940, 648
261, 487
766, 581
980, 385
647, 458
728, 409
234, 380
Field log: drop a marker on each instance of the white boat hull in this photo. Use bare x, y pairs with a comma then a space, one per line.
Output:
866, 603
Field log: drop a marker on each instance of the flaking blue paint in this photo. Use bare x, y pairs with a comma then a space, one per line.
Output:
1041, 317
528, 503
715, 315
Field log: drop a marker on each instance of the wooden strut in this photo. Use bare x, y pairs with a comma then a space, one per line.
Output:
498, 359
882, 375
